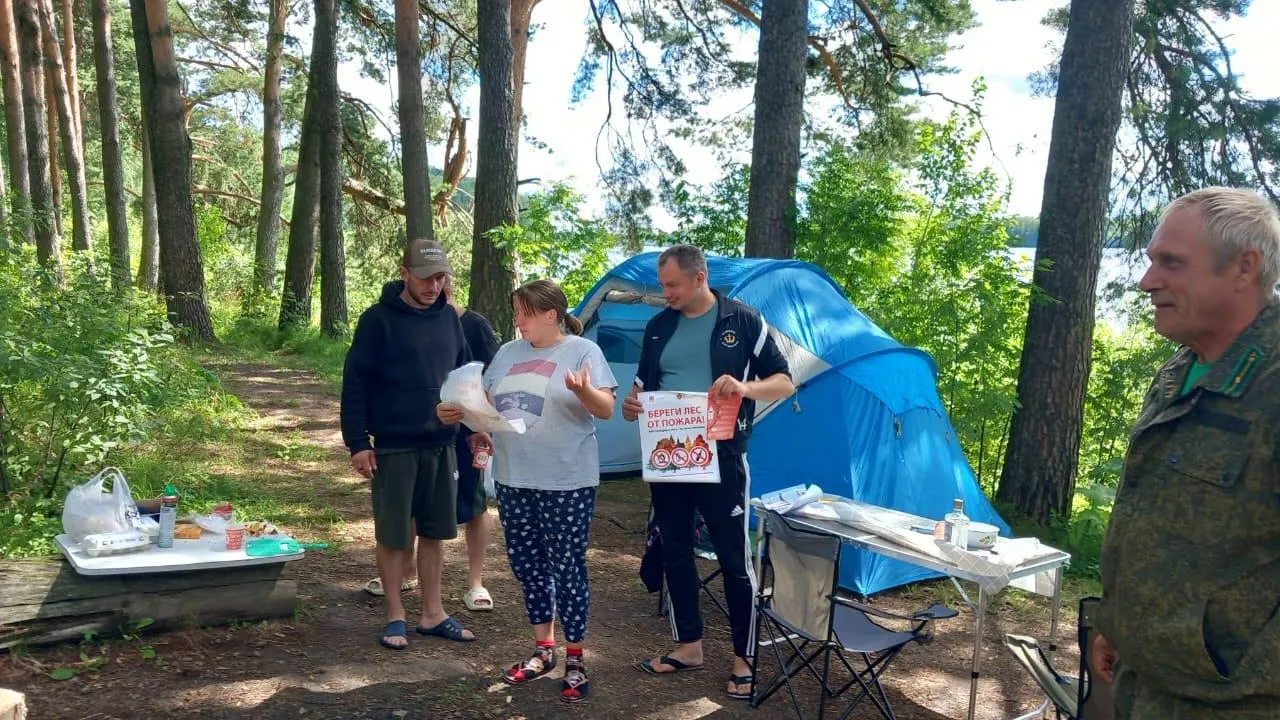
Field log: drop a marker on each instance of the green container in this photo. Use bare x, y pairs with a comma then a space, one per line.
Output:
267, 547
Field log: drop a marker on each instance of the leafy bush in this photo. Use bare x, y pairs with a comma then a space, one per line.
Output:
87, 377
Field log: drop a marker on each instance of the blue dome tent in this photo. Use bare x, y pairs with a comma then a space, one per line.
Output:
866, 421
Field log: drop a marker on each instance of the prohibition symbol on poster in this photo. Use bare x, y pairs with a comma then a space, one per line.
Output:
673, 438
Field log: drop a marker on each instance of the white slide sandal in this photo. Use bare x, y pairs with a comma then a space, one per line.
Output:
478, 599
374, 587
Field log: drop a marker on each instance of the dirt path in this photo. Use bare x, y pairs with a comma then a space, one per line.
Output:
325, 663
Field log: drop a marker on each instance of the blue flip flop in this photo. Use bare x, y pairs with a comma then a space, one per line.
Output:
395, 628
449, 629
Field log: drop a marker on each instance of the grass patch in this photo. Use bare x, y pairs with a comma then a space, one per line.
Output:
254, 336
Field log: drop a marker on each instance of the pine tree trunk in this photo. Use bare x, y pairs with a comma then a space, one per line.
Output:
413, 134
15, 127
149, 262
521, 15
333, 264
492, 277
71, 156
180, 262
70, 61
112, 162
300, 260
779, 119
1039, 473
35, 119
264, 256
51, 138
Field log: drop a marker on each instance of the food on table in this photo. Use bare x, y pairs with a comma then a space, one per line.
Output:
186, 531
258, 528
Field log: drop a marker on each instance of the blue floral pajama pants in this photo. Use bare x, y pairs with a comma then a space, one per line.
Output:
546, 533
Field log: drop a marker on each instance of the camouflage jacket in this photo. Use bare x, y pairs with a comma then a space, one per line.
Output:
1191, 562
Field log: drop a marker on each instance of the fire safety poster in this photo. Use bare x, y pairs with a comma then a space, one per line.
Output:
673, 438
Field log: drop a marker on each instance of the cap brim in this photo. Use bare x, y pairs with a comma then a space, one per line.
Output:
426, 271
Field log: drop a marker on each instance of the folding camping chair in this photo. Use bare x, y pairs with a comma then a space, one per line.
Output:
1082, 697
804, 610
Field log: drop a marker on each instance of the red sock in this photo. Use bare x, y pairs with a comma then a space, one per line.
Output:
545, 644
573, 654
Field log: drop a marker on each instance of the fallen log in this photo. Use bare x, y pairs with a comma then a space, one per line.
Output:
46, 601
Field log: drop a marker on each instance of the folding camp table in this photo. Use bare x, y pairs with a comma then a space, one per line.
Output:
1051, 562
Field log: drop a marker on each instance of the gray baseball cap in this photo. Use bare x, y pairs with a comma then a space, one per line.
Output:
425, 258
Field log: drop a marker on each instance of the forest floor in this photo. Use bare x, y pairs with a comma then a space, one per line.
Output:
325, 662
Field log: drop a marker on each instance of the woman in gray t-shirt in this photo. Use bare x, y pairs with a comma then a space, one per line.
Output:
557, 383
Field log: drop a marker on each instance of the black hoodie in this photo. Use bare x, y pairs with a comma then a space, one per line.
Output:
391, 380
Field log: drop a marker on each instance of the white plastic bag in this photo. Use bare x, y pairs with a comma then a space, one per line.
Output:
489, 489
464, 387
91, 509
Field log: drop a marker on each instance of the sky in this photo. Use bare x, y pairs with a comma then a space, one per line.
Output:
1008, 45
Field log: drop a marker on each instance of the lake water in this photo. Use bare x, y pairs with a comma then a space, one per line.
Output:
1118, 266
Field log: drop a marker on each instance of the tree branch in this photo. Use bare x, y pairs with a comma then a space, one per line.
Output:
202, 190
837, 77
212, 65
364, 193
448, 22
227, 51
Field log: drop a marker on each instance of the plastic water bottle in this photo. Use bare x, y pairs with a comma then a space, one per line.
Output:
958, 525
168, 517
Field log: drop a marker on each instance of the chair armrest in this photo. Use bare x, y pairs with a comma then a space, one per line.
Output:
935, 612
869, 610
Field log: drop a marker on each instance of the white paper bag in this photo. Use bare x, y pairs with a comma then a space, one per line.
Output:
464, 387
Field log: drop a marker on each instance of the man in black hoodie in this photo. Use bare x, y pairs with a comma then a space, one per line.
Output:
403, 348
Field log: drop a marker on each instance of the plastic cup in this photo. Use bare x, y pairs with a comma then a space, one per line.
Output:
235, 536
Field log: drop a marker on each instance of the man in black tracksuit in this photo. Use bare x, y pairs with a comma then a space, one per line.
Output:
703, 342
402, 350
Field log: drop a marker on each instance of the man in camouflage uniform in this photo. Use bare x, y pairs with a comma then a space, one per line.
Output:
1191, 565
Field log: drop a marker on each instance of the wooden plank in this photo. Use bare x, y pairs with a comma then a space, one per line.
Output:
26, 582
46, 602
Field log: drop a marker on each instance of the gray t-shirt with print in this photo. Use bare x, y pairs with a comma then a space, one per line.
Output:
558, 450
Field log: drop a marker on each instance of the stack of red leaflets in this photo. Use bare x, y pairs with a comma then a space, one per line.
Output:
722, 415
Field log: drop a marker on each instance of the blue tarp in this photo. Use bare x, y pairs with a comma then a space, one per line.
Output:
868, 425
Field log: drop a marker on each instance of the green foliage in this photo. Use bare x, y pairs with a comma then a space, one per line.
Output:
1188, 122
556, 241
671, 58
714, 219
1125, 357
87, 379
87, 382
